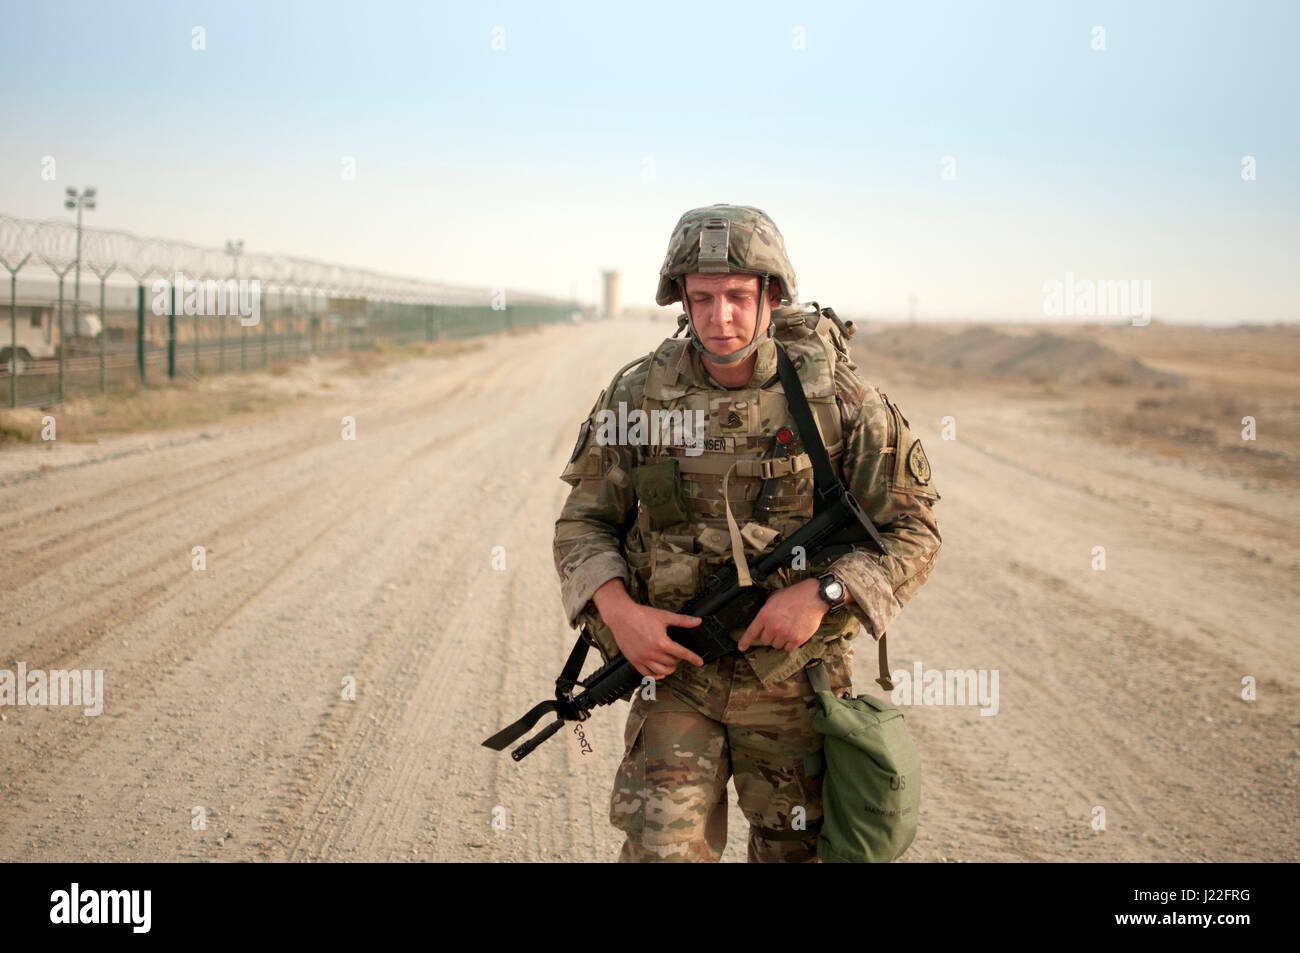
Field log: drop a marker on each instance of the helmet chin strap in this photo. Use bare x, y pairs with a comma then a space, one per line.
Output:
754, 340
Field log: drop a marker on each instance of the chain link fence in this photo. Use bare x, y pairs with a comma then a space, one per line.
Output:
132, 325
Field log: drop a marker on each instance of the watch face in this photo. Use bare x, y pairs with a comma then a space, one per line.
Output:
834, 590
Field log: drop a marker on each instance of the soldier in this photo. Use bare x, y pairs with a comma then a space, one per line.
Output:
648, 520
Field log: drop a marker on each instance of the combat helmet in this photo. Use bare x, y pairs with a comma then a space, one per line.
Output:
725, 239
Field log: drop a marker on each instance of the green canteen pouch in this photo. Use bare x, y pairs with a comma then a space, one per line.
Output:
871, 790
659, 488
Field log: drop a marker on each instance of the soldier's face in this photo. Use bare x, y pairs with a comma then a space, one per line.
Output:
724, 309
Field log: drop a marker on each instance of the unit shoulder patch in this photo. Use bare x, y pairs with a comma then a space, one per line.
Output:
918, 464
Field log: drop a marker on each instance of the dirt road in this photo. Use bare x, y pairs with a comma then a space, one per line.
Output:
332, 562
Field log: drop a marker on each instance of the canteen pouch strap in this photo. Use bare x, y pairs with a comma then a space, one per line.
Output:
821, 682
882, 659
817, 677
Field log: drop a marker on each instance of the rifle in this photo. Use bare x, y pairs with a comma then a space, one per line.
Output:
724, 605
837, 524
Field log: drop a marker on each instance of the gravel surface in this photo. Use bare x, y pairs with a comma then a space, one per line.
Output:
371, 560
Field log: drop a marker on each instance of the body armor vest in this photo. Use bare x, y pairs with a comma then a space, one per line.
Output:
671, 550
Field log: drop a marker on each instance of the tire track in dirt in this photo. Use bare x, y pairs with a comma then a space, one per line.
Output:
1266, 522
420, 677
430, 705
1106, 676
124, 609
31, 563
18, 766
1134, 668
138, 696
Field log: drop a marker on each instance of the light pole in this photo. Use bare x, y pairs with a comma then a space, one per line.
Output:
234, 250
77, 200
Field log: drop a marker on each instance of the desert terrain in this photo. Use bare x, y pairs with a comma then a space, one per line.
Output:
369, 562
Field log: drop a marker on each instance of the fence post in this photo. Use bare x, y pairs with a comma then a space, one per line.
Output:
103, 330
306, 313
65, 271
13, 338
139, 332
171, 338
13, 329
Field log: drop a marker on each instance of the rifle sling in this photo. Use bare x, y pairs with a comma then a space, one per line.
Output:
825, 481
826, 484
513, 732
566, 682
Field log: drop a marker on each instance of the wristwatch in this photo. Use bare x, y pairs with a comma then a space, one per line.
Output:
832, 592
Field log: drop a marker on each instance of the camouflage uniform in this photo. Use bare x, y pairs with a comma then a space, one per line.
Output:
749, 716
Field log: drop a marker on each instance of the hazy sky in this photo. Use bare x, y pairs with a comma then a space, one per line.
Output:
578, 145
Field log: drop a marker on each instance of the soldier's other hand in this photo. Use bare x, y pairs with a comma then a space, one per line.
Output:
642, 636
788, 619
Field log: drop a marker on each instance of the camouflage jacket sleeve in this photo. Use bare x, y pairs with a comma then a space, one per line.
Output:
887, 472
601, 504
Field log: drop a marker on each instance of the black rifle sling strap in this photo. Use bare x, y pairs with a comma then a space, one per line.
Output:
564, 685
568, 679
825, 480
826, 484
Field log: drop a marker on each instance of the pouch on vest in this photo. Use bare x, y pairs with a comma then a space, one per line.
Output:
871, 791
674, 576
659, 488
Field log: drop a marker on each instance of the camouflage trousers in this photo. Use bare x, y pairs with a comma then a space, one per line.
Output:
705, 726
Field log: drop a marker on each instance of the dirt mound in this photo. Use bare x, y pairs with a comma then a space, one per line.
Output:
1042, 356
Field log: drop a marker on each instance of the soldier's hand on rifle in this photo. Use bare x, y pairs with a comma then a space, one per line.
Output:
642, 631
642, 636
788, 619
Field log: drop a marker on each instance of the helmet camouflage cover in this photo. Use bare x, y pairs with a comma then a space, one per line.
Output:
725, 239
